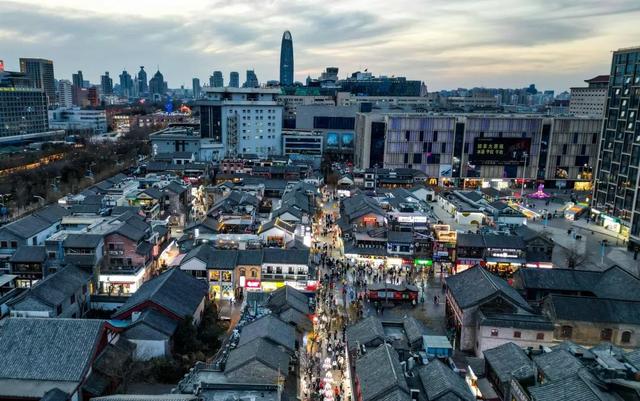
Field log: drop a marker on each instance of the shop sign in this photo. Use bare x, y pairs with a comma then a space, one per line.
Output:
252, 283
423, 262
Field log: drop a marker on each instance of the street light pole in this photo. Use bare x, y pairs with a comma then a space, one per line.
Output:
524, 173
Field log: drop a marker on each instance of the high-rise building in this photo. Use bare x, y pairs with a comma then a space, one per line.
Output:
23, 109
77, 79
590, 101
65, 93
242, 126
252, 80
77, 84
195, 83
143, 87
234, 79
40, 72
126, 84
157, 84
286, 59
93, 96
106, 83
616, 199
216, 80
330, 74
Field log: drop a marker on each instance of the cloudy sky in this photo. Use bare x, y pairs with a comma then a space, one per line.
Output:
446, 43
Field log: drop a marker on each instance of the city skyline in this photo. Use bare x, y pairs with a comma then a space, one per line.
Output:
555, 45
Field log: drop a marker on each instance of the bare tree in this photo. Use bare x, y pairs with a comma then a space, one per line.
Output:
574, 256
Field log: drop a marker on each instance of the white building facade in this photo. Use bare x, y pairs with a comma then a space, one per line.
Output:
244, 120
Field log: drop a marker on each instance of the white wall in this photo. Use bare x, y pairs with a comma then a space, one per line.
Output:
147, 349
505, 335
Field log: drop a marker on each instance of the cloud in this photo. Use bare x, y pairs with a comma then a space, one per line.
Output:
446, 43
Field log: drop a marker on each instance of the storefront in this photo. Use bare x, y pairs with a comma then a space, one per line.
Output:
504, 266
463, 264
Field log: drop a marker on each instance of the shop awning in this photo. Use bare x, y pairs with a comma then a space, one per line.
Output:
514, 261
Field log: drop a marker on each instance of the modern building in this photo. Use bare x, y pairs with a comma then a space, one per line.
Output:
286, 59
78, 84
126, 84
157, 85
23, 110
252, 80
178, 139
337, 123
234, 79
469, 150
71, 119
106, 84
143, 86
244, 120
292, 102
64, 93
364, 83
304, 145
616, 200
40, 72
590, 101
216, 80
196, 88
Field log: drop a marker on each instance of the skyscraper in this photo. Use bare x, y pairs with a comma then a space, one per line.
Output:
65, 93
106, 83
616, 198
40, 72
23, 108
234, 79
78, 83
126, 84
196, 88
143, 87
216, 80
156, 84
252, 80
286, 60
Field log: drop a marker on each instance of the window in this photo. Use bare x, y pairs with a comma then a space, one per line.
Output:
494, 332
517, 334
540, 336
566, 331
3, 244
626, 337
58, 310
14, 244
606, 334
73, 299
84, 289
254, 273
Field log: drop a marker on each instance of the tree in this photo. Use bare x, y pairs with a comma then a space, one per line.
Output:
185, 338
574, 256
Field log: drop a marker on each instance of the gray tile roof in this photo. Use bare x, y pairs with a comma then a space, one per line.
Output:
28, 226
152, 325
270, 328
381, 376
413, 328
288, 297
128, 230
503, 241
633, 358
475, 285
29, 254
579, 387
298, 319
54, 289
439, 381
557, 279
261, 350
48, 349
587, 309
52, 213
174, 290
470, 240
55, 395
250, 257
557, 364
82, 240
292, 256
364, 332
509, 360
515, 320
226, 259
400, 237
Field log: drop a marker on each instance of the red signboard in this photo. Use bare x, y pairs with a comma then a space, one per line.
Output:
252, 284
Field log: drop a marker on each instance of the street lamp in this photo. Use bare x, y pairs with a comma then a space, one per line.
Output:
524, 172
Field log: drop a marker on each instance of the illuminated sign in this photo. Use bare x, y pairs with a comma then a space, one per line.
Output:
369, 219
252, 283
423, 262
500, 151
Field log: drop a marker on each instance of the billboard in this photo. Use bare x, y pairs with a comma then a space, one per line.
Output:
500, 151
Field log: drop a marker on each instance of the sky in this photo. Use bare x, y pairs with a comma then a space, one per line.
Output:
448, 44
